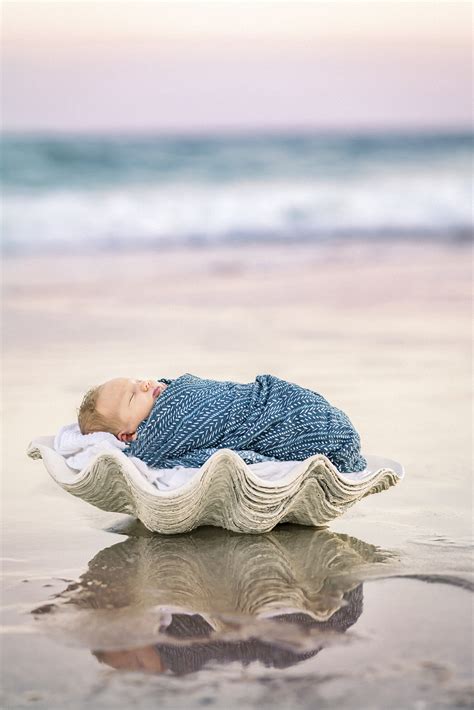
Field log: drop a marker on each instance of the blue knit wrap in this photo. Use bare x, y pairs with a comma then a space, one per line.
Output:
268, 419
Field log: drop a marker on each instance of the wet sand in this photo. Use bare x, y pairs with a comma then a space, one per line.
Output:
384, 333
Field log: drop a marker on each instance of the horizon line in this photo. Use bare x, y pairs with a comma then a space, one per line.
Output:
465, 128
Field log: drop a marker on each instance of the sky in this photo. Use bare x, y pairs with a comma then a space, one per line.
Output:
109, 65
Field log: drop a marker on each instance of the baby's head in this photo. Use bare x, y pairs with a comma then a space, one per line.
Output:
118, 406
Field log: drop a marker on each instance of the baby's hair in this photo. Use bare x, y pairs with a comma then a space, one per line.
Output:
90, 419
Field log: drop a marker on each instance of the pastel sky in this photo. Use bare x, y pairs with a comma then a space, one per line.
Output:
199, 66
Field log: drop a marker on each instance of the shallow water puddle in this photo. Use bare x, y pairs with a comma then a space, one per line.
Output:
293, 589
296, 615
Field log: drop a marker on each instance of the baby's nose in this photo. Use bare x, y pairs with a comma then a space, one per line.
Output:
145, 385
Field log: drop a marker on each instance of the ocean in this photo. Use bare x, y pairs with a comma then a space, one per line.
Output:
82, 193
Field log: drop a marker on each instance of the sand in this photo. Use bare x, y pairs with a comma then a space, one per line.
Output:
384, 332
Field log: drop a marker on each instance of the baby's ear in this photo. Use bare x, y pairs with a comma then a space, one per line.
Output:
125, 436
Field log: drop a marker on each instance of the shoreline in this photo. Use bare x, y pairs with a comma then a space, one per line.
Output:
376, 239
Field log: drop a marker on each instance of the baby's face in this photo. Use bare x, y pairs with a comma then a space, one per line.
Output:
129, 400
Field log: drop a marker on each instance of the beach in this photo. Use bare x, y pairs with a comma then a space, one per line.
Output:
383, 330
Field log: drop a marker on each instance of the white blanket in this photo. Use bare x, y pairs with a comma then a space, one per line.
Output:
79, 449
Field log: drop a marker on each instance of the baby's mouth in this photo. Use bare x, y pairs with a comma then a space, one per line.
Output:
157, 391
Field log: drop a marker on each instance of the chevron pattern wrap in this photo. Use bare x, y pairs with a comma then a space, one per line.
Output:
268, 419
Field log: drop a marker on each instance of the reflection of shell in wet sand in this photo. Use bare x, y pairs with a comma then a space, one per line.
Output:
135, 590
225, 492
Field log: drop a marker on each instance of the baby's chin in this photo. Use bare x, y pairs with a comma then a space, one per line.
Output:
145, 417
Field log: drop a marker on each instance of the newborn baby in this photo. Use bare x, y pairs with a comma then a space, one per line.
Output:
182, 422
